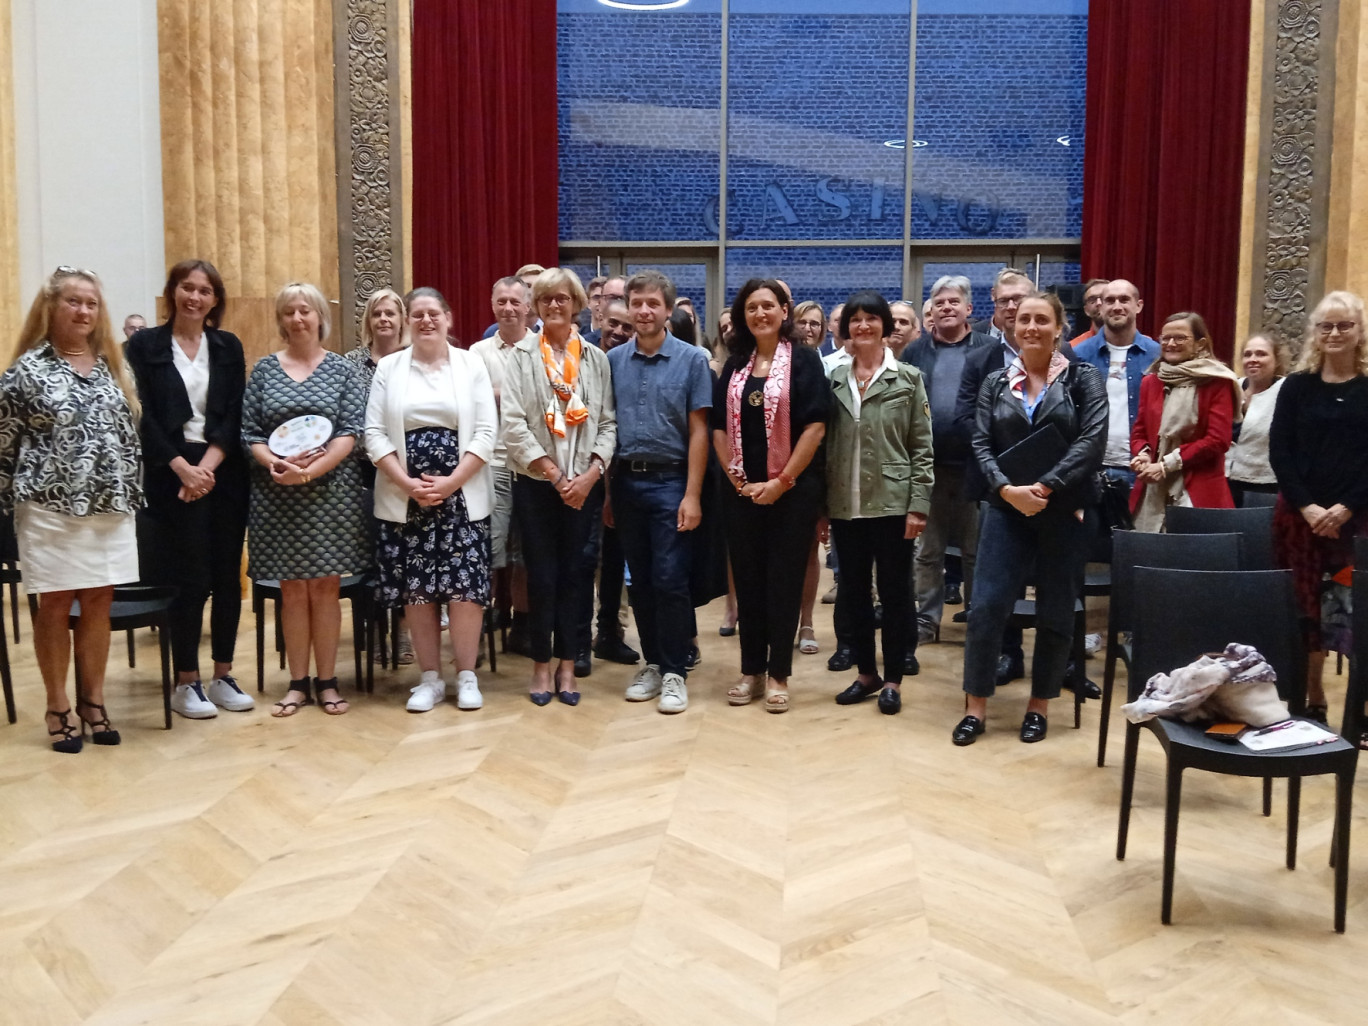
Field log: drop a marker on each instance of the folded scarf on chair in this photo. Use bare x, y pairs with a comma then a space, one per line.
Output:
1236, 684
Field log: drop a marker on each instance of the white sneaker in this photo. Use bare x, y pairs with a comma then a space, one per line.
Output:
674, 694
225, 693
645, 685
189, 701
431, 689
1092, 644
468, 691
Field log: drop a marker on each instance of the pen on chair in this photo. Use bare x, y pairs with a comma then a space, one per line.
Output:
1277, 726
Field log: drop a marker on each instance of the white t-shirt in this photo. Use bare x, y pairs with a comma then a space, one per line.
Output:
195, 374
1117, 453
428, 398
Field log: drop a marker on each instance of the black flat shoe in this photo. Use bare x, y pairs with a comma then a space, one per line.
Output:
953, 595
1083, 688
960, 617
858, 692
1010, 668
540, 697
841, 660
615, 650
890, 701
910, 665
583, 665
1033, 728
967, 730
727, 630
101, 731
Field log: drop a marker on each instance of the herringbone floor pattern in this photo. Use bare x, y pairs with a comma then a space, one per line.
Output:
608, 865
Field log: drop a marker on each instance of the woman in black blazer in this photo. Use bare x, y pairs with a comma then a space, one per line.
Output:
190, 378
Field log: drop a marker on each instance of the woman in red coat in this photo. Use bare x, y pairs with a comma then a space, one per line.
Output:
1188, 402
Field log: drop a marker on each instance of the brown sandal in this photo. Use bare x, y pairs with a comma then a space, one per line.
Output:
285, 708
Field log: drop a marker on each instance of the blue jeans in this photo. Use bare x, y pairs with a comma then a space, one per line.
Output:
1121, 474
646, 510
1009, 544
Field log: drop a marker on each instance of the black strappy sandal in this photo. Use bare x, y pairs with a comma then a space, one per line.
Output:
102, 732
285, 708
330, 706
71, 741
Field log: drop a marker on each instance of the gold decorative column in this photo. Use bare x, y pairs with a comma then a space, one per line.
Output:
12, 305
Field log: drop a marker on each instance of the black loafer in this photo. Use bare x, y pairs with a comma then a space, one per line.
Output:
858, 692
953, 595
890, 701
1009, 669
583, 665
841, 660
615, 650
961, 617
1083, 688
910, 665
967, 730
1033, 728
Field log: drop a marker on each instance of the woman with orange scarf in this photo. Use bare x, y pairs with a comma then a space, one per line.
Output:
769, 417
559, 430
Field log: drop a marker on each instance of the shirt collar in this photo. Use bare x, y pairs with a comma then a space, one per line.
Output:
666, 350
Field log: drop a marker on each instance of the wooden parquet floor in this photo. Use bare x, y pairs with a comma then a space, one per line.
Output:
607, 865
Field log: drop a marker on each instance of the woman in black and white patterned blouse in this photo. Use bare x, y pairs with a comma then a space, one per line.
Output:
70, 470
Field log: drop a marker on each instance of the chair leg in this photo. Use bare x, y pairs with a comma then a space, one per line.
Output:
1127, 788
1344, 803
1172, 801
164, 640
258, 608
358, 640
132, 653
1268, 796
1293, 814
489, 636
1080, 656
1108, 682
5, 678
279, 630
14, 609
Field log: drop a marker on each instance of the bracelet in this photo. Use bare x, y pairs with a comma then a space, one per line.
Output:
786, 481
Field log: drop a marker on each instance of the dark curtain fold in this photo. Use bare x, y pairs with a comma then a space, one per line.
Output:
1164, 164
484, 148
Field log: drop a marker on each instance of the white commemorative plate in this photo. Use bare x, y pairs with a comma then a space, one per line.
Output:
300, 435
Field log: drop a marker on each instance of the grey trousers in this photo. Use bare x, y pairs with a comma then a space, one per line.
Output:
953, 518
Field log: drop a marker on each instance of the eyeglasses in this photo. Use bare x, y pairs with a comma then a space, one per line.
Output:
1176, 339
559, 299
1328, 328
67, 271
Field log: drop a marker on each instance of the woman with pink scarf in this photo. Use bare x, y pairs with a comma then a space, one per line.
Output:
769, 416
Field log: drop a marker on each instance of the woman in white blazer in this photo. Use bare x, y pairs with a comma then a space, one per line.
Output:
559, 429
430, 427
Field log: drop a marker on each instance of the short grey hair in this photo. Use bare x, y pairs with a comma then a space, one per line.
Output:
509, 282
1009, 274
958, 282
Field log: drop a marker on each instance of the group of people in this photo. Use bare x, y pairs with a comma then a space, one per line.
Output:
590, 434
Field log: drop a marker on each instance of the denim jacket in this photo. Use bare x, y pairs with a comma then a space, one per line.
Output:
1143, 352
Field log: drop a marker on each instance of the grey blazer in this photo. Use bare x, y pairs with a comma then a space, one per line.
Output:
527, 394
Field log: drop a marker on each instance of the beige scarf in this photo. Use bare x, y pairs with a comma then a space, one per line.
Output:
1176, 426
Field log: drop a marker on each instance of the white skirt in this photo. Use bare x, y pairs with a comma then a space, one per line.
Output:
58, 552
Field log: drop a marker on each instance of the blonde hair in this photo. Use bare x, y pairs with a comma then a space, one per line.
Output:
375, 298
558, 277
1312, 356
310, 294
38, 324
1275, 346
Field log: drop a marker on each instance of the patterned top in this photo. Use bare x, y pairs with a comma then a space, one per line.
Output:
365, 366
67, 443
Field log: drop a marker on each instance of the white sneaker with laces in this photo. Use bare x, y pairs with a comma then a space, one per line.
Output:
1092, 644
225, 693
468, 691
674, 694
431, 689
189, 701
645, 685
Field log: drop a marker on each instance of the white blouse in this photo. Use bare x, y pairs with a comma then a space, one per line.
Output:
195, 374
1247, 459
428, 399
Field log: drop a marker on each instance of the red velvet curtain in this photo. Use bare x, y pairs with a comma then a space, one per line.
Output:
1163, 169
484, 148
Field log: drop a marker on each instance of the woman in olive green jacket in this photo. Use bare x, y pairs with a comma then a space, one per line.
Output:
879, 480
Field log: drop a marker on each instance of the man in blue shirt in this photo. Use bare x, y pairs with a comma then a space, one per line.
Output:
1122, 354
663, 391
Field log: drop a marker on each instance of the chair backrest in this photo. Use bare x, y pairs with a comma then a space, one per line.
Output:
1131, 549
1254, 524
1361, 552
1252, 499
1358, 659
1186, 613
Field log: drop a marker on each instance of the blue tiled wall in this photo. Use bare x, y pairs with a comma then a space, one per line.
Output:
828, 274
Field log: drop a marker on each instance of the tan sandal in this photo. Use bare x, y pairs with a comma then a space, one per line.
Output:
743, 692
776, 697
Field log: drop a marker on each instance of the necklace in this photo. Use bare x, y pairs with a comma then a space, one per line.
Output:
72, 352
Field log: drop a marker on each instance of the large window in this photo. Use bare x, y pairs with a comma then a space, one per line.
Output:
797, 111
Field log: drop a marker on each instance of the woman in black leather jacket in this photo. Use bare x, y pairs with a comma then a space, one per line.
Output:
1040, 508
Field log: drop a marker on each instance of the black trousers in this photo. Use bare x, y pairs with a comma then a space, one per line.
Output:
560, 574
862, 545
768, 547
197, 548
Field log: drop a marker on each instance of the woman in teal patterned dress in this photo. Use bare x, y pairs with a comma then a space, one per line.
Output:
307, 526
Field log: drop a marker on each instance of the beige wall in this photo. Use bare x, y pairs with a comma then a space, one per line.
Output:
1253, 116
248, 157
11, 304
1346, 264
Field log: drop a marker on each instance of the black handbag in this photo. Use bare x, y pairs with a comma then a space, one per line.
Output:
1114, 508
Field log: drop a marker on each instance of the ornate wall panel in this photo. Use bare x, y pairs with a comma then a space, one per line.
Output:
1294, 178
248, 159
12, 305
369, 194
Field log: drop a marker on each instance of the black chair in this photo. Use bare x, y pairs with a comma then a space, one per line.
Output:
1251, 500
135, 606
9, 570
356, 588
1187, 613
1254, 524
1131, 549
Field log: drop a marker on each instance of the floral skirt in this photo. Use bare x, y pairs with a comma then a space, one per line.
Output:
438, 554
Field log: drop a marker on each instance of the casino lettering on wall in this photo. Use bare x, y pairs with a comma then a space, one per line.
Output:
831, 200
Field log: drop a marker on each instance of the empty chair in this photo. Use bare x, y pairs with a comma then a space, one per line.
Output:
1131, 549
1185, 614
134, 606
1252, 500
1254, 524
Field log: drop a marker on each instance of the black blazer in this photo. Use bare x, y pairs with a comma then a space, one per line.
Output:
1076, 404
165, 405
